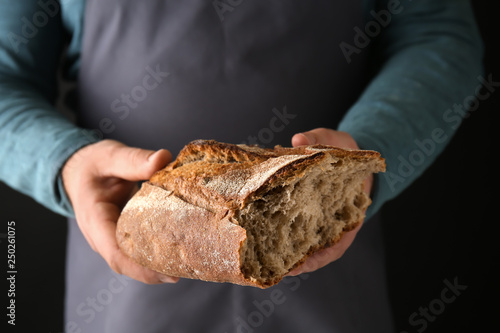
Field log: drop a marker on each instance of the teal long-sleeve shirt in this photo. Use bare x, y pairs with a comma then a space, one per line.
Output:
427, 60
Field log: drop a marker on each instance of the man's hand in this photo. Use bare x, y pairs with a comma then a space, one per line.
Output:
99, 180
343, 140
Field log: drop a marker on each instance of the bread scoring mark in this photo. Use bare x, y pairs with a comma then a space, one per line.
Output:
263, 171
240, 183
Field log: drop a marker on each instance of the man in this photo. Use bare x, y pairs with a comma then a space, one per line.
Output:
378, 75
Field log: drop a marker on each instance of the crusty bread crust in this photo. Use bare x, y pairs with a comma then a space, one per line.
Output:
162, 232
181, 223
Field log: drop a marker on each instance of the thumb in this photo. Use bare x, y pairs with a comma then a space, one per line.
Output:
132, 164
324, 136
302, 139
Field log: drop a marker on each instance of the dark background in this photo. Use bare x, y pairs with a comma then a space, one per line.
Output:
440, 228
443, 225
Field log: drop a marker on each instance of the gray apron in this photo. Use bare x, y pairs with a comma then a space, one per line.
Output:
161, 73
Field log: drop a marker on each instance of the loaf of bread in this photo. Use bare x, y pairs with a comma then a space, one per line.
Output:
243, 214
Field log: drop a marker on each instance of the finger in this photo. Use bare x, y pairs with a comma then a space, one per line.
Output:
134, 190
301, 139
368, 183
103, 231
324, 136
133, 164
317, 136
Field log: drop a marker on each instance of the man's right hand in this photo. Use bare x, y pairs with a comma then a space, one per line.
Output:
99, 180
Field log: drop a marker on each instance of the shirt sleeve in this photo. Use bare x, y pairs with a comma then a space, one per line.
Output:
35, 138
430, 65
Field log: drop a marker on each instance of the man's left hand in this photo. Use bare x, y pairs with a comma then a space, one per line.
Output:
339, 139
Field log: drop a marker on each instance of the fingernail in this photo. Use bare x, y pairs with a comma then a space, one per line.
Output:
150, 158
168, 279
309, 138
294, 272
